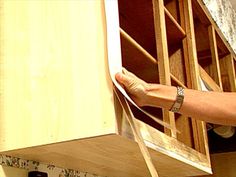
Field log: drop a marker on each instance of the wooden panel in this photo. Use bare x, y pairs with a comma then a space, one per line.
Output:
185, 136
177, 65
115, 155
228, 73
223, 164
53, 72
231, 72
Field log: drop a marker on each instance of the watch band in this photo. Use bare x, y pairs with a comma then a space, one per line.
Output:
179, 100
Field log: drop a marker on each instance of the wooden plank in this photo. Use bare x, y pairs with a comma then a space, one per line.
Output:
199, 130
228, 73
172, 7
137, 134
137, 46
162, 54
208, 80
177, 65
215, 67
50, 79
115, 155
231, 72
223, 164
183, 123
174, 31
190, 52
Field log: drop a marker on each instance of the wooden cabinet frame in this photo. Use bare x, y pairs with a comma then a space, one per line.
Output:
157, 43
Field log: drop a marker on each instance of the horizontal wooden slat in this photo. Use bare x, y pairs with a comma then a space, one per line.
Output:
174, 31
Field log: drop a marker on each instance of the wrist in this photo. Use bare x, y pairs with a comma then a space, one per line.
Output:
162, 96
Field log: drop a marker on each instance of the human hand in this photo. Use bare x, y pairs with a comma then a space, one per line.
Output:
136, 88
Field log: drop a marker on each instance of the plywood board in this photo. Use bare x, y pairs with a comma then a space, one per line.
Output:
111, 155
54, 78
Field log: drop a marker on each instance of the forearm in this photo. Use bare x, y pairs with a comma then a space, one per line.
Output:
214, 107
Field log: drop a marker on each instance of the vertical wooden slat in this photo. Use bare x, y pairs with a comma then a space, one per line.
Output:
215, 67
192, 70
162, 54
230, 69
190, 57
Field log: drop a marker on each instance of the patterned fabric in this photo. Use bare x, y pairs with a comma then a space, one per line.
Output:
50, 169
225, 17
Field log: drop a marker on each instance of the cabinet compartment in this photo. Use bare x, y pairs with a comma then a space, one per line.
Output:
136, 19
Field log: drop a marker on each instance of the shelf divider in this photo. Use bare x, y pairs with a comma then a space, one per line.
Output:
162, 55
144, 52
139, 47
215, 67
177, 31
209, 81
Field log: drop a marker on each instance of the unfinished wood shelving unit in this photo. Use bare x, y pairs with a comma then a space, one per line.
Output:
54, 71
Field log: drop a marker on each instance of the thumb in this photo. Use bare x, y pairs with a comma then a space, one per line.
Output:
123, 79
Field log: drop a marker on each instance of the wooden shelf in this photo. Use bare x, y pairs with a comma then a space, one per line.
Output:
202, 42
135, 56
136, 18
175, 32
132, 50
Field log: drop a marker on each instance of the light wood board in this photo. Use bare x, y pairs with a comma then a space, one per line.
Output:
54, 78
110, 155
